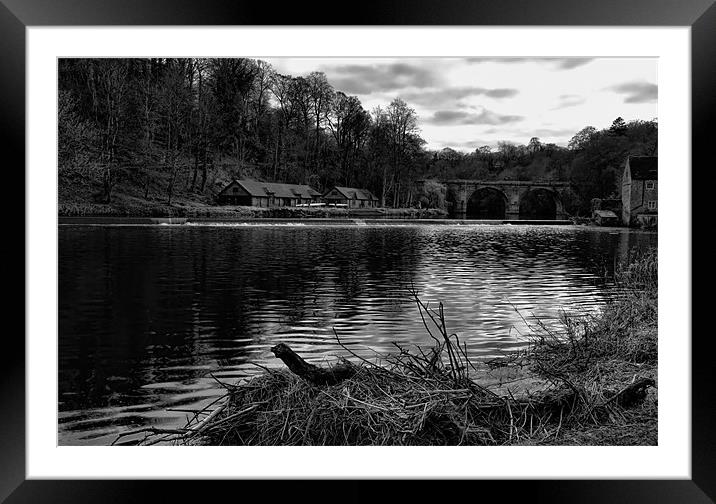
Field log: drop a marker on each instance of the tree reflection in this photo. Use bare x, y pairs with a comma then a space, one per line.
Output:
145, 313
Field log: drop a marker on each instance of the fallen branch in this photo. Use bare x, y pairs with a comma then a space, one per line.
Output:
310, 372
631, 394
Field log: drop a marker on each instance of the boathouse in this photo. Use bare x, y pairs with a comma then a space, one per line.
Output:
350, 197
266, 194
607, 212
640, 191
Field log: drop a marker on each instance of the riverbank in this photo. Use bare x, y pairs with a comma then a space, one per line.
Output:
591, 383
347, 220
199, 211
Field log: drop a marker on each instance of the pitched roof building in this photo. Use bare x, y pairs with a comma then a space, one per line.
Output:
640, 191
351, 197
266, 194
643, 167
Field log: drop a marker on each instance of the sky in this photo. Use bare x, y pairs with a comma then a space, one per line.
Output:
465, 103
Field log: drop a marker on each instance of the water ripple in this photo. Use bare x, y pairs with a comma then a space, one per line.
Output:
150, 318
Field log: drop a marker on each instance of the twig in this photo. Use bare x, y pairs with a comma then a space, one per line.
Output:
151, 430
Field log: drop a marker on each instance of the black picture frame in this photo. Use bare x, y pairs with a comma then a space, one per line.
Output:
17, 15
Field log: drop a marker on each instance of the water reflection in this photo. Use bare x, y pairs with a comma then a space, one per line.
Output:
148, 314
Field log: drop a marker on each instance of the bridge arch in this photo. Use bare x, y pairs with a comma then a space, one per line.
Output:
487, 202
452, 201
540, 203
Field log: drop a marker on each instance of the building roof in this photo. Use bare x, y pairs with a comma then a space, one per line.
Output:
264, 189
643, 167
605, 214
354, 193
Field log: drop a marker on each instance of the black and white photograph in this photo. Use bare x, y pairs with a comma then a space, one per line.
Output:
324, 251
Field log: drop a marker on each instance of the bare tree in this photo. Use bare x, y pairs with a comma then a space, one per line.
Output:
175, 102
259, 94
109, 84
280, 86
320, 93
349, 125
402, 125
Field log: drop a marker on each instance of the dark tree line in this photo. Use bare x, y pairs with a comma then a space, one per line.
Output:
157, 118
173, 123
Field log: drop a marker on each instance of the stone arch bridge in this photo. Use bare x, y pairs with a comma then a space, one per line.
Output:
505, 199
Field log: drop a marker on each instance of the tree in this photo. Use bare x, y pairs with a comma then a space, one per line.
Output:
597, 165
146, 85
432, 194
508, 151
300, 97
618, 127
174, 109
259, 93
281, 88
230, 83
75, 135
582, 138
534, 145
446, 161
108, 81
402, 127
643, 135
380, 152
349, 125
201, 114
145, 121
320, 94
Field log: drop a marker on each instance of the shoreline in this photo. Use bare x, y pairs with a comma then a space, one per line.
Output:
592, 383
357, 221
190, 209
144, 215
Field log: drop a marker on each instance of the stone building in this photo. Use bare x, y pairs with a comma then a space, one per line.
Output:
607, 211
266, 194
640, 191
350, 197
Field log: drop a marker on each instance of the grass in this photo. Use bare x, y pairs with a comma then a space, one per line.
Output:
591, 383
598, 355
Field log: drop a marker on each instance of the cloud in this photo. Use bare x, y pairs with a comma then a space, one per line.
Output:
569, 63
637, 91
546, 135
569, 100
450, 96
460, 117
470, 145
551, 133
374, 78
560, 63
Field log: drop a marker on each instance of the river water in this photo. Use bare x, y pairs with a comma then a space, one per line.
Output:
151, 316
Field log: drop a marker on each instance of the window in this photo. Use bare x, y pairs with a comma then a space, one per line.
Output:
651, 205
650, 184
235, 190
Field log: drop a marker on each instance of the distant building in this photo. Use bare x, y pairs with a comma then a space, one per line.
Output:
640, 191
351, 197
606, 211
266, 194
605, 218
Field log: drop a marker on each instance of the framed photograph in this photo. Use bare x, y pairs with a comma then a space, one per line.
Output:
419, 244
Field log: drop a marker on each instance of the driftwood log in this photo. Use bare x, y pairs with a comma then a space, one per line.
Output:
632, 394
311, 373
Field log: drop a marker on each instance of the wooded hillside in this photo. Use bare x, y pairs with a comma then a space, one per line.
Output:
166, 130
